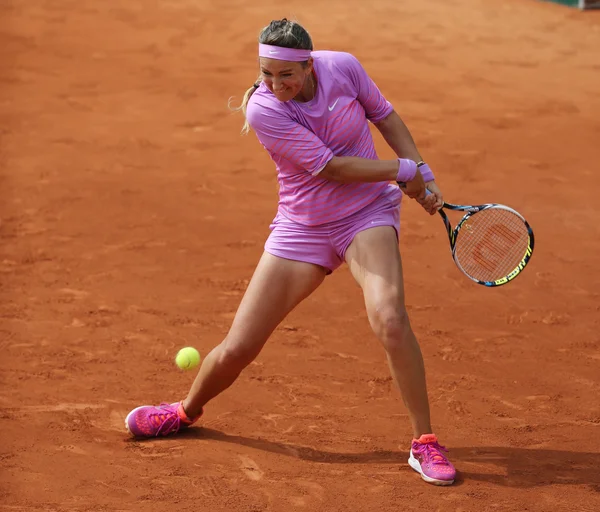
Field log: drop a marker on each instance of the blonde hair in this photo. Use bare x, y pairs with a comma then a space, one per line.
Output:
284, 33
244, 105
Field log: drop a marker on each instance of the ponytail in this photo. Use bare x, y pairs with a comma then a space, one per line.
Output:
242, 107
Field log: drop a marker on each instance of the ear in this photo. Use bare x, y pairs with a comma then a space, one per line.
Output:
309, 66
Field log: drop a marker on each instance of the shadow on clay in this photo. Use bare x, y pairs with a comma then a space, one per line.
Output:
518, 467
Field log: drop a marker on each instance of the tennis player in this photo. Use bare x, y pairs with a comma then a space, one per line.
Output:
337, 203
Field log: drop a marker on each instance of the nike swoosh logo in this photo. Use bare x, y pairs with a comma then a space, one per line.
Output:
333, 106
273, 52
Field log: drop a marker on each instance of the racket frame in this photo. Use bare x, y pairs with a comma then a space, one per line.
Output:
471, 210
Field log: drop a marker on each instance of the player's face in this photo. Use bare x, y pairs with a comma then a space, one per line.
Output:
285, 79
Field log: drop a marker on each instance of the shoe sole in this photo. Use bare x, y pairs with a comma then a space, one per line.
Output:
127, 419
414, 463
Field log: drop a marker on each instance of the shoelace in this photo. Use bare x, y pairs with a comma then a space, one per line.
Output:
167, 420
432, 452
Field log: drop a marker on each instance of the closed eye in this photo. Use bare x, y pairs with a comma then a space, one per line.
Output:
284, 74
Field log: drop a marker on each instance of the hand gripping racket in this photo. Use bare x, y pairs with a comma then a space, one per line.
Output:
491, 244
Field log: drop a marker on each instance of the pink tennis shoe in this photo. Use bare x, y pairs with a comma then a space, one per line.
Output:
156, 421
426, 454
427, 458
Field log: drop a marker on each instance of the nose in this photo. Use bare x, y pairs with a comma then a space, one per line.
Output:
278, 85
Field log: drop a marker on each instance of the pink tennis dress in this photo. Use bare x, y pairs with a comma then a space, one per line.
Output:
318, 218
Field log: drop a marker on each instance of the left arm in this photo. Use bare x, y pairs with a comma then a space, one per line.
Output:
381, 113
398, 137
396, 134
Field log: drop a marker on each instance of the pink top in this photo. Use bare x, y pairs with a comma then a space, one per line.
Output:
301, 138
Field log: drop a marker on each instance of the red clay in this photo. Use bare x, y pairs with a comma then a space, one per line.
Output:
132, 216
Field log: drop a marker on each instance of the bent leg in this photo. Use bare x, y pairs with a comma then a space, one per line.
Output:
277, 286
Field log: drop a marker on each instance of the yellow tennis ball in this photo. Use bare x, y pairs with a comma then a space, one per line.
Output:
187, 358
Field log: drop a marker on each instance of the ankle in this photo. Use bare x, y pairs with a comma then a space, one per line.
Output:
424, 438
188, 415
422, 430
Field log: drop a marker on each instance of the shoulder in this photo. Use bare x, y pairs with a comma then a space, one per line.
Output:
343, 61
263, 105
342, 67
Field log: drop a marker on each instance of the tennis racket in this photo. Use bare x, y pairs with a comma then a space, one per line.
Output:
491, 244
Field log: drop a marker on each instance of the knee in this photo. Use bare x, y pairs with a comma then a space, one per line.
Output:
235, 356
391, 325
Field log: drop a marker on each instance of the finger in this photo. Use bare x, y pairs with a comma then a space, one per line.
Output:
419, 195
428, 205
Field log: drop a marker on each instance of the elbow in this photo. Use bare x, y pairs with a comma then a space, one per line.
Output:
332, 171
387, 120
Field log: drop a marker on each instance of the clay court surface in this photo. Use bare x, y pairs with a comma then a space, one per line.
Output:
132, 215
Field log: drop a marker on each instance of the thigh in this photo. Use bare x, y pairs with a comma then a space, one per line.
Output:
374, 260
308, 244
384, 211
277, 286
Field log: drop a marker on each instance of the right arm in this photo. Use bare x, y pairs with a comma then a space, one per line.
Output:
348, 169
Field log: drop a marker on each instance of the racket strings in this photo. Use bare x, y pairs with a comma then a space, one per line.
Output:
491, 244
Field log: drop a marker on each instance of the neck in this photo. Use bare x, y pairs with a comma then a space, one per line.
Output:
309, 89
